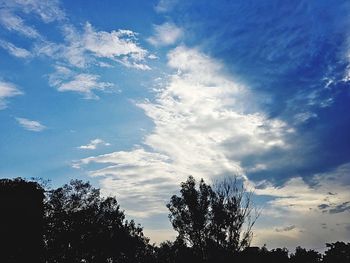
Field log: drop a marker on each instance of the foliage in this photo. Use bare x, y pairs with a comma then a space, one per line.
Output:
338, 252
21, 221
212, 220
307, 256
82, 226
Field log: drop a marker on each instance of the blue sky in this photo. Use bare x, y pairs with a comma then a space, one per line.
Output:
135, 96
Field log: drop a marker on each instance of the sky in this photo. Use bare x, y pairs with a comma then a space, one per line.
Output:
135, 96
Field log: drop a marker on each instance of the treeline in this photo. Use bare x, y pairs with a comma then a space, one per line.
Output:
75, 223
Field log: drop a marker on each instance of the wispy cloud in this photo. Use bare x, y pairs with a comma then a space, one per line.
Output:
165, 34
60, 75
14, 50
30, 125
164, 6
85, 84
304, 117
47, 10
285, 229
65, 79
15, 23
93, 144
89, 47
86, 48
7, 90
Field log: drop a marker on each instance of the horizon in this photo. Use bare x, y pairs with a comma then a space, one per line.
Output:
135, 96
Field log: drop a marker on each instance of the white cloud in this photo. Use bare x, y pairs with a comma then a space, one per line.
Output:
198, 115
118, 45
138, 178
60, 75
13, 22
83, 49
7, 90
30, 125
64, 79
84, 84
93, 144
111, 45
165, 34
15, 51
49, 49
73, 50
89, 47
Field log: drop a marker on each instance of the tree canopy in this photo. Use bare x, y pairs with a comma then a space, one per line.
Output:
216, 219
83, 226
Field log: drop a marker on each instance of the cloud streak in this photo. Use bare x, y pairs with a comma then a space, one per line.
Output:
64, 79
47, 10
30, 125
14, 50
85, 84
89, 47
13, 22
7, 90
93, 144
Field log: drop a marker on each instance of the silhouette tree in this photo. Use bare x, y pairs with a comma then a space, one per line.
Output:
21, 221
82, 226
231, 210
338, 252
302, 255
190, 214
166, 252
278, 255
211, 221
175, 252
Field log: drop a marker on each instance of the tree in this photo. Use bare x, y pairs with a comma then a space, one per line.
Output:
232, 209
338, 252
83, 226
278, 255
211, 221
190, 214
21, 221
302, 255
